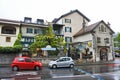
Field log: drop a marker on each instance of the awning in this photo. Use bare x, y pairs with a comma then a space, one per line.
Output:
48, 49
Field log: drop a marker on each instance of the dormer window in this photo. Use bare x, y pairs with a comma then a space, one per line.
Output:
27, 20
40, 21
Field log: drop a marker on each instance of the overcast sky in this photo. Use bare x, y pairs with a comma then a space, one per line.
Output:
95, 10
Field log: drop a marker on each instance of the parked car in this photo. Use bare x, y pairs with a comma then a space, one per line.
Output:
25, 63
117, 54
62, 62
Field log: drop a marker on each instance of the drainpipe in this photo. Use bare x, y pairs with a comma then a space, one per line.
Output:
84, 24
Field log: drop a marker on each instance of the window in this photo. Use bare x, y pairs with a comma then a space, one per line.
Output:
68, 39
106, 40
27, 20
29, 30
37, 31
67, 20
102, 28
20, 59
68, 29
28, 60
8, 39
98, 40
8, 30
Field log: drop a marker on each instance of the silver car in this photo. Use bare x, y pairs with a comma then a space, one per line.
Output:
62, 62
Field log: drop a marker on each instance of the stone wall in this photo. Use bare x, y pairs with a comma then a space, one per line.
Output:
7, 58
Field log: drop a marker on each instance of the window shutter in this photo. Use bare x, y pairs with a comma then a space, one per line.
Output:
65, 29
70, 29
70, 39
65, 39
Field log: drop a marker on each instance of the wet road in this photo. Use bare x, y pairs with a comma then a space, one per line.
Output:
91, 72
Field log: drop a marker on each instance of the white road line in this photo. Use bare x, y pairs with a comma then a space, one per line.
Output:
70, 76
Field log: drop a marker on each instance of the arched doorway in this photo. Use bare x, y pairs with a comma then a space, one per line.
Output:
103, 54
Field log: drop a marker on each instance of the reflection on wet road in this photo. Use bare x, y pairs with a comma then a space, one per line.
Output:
91, 72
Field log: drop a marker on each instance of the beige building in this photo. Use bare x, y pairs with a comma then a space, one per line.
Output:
92, 40
9, 30
73, 22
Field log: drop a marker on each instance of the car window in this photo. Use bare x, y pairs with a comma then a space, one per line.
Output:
20, 59
28, 60
67, 59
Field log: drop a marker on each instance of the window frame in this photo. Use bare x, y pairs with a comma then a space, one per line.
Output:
67, 20
8, 39
29, 30
68, 29
68, 39
98, 40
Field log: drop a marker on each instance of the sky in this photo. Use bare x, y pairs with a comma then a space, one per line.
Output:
95, 10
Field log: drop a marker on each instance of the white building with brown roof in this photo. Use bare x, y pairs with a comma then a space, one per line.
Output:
94, 40
98, 39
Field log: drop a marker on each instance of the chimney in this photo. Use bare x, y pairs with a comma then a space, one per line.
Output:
108, 24
27, 19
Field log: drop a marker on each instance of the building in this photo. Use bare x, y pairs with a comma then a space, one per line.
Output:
97, 38
9, 30
94, 40
72, 22
29, 30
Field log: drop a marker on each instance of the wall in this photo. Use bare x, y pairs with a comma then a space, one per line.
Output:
7, 58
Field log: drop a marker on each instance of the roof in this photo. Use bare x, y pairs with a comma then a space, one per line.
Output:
72, 11
90, 28
7, 21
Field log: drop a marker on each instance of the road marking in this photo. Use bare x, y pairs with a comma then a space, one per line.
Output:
70, 76
86, 72
26, 73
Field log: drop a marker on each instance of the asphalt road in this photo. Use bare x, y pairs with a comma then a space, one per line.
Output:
85, 72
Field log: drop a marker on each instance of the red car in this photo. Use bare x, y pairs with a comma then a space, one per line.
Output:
25, 63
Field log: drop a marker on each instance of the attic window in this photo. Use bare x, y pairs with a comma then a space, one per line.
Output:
27, 20
40, 21
67, 20
102, 28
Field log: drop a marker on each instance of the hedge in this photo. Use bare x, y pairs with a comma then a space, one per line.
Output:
15, 49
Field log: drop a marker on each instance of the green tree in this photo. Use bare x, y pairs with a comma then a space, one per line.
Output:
117, 39
47, 38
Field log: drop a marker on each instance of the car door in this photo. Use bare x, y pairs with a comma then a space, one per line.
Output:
61, 62
67, 62
20, 63
29, 64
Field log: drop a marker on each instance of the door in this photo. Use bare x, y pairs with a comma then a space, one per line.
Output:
103, 54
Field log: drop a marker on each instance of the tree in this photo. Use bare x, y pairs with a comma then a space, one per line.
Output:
47, 38
117, 39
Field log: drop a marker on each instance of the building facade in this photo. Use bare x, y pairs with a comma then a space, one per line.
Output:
94, 40
9, 30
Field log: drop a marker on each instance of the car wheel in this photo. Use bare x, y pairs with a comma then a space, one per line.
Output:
37, 68
54, 66
15, 68
71, 65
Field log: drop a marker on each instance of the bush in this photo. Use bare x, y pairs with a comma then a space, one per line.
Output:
15, 49
118, 51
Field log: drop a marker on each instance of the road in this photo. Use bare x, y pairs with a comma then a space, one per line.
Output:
91, 72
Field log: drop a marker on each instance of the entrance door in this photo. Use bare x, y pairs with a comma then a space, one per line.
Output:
103, 54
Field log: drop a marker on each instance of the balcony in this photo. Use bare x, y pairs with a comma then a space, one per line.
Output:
8, 30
